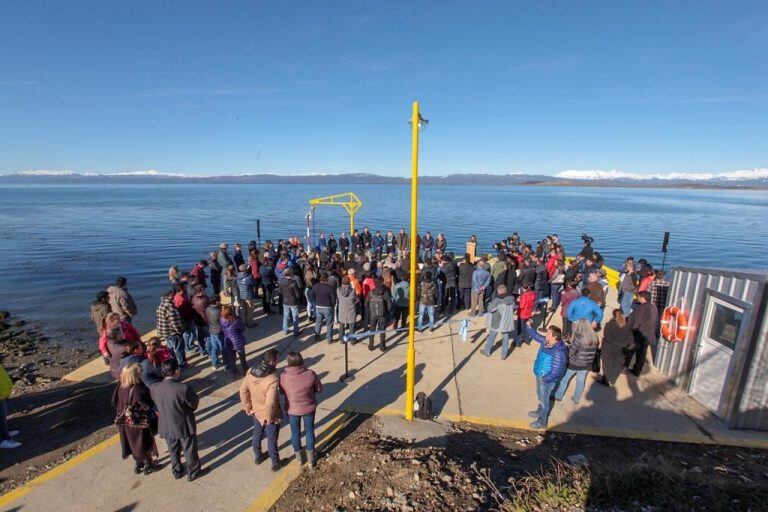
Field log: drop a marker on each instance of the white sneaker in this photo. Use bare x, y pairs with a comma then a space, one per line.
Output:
9, 444
13, 433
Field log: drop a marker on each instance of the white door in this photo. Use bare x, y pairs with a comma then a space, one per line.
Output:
720, 324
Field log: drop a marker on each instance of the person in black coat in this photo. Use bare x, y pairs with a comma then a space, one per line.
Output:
466, 268
176, 404
644, 324
134, 441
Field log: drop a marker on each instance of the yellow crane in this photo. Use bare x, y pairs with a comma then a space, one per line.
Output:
349, 201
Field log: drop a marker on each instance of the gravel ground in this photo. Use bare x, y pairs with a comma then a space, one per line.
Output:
477, 468
56, 419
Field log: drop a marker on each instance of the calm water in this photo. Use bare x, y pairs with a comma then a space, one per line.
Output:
62, 244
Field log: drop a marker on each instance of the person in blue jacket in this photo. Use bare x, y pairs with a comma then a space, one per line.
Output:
548, 368
586, 308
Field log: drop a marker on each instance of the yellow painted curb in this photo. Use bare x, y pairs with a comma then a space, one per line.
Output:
59, 470
292, 470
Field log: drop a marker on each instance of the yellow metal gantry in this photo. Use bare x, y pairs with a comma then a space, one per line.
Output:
349, 201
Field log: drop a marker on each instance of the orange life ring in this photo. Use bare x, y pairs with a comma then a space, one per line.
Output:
674, 324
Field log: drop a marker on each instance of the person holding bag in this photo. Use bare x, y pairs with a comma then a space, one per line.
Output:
135, 420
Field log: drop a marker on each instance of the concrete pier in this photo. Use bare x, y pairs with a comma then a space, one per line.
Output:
464, 385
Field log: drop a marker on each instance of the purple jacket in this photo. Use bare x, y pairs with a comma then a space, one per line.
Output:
233, 331
299, 386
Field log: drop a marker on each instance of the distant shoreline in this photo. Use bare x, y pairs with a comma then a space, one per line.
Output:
507, 180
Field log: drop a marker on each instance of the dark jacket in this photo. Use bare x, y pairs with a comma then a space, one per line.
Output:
212, 315
199, 305
245, 286
176, 404
324, 294
644, 322
465, 274
290, 291
451, 272
527, 277
581, 356
509, 279
267, 275
378, 303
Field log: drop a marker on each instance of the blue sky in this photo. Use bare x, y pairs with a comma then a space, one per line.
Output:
291, 87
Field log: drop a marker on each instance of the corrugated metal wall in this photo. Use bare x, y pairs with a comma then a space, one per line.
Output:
675, 360
753, 404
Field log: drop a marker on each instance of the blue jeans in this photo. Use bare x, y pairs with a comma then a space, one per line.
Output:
544, 394
3, 420
554, 293
310, 304
324, 313
176, 343
288, 312
504, 342
309, 430
214, 344
581, 378
626, 303
190, 337
430, 310
270, 431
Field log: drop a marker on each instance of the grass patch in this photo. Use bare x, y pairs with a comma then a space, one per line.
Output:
560, 486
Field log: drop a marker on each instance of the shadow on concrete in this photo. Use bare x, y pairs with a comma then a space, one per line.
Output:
56, 419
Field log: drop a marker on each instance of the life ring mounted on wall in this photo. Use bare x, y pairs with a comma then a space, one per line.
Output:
674, 324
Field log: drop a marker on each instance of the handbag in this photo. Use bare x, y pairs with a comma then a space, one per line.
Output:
596, 361
133, 415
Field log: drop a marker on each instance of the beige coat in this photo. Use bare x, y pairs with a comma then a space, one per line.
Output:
121, 302
258, 395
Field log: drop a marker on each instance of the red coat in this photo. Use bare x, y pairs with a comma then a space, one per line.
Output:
552, 263
129, 334
368, 285
254, 264
527, 303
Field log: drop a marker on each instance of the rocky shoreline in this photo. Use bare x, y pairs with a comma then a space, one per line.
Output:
31, 359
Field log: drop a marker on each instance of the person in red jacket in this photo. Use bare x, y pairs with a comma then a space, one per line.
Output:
199, 272
129, 334
552, 263
527, 304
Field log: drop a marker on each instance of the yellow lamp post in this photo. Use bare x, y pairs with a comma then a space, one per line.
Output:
418, 124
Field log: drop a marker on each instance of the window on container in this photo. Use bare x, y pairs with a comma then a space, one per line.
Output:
725, 325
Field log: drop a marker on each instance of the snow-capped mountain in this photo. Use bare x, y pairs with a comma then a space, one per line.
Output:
742, 175
750, 178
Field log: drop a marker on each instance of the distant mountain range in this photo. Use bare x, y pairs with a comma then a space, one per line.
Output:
754, 178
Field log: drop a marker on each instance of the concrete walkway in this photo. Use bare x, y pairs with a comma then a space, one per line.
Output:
462, 382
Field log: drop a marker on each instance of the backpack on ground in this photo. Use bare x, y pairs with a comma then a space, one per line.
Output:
422, 407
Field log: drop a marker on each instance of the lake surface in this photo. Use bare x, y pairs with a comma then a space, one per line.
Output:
63, 244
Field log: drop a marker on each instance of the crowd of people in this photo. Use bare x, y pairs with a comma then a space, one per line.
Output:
360, 283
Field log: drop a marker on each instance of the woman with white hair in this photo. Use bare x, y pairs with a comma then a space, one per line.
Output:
581, 355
